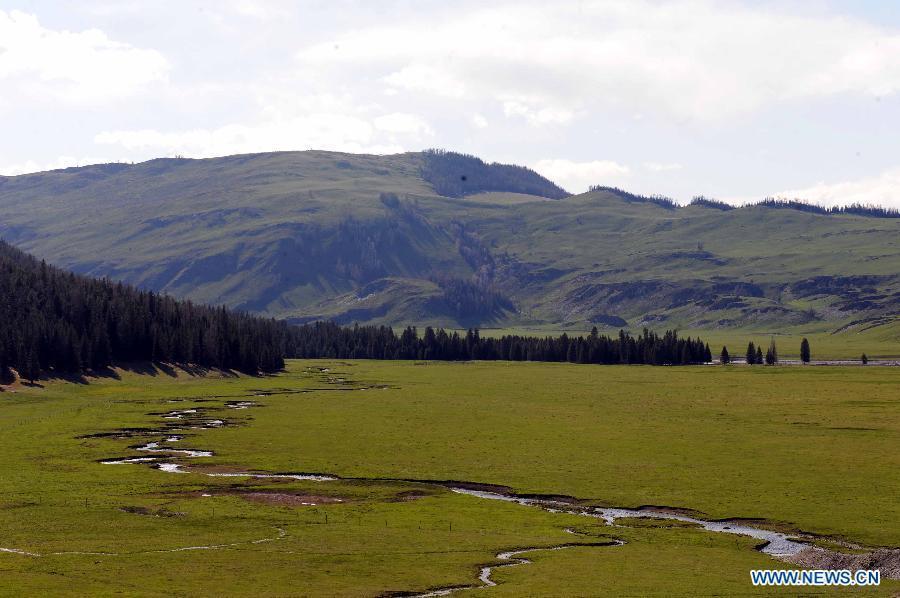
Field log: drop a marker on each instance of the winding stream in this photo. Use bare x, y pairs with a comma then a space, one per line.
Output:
511, 558
777, 544
167, 459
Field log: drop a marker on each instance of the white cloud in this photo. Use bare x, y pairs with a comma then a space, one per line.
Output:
258, 75
80, 67
263, 11
403, 124
688, 59
883, 189
662, 166
578, 176
285, 120
60, 162
537, 116
338, 132
418, 77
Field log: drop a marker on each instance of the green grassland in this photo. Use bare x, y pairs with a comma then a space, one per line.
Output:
308, 235
808, 448
881, 342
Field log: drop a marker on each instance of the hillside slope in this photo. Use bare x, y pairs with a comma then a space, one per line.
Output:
446, 239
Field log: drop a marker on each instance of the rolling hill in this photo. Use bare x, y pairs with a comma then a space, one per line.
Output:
446, 239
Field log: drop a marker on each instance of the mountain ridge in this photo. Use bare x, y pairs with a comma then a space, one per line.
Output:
303, 235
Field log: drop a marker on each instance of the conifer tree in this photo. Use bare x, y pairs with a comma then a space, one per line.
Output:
31, 369
751, 353
55, 321
725, 358
771, 353
804, 351
51, 320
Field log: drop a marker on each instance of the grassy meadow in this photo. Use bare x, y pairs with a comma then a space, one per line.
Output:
816, 449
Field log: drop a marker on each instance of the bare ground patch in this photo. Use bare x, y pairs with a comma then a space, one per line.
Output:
150, 512
886, 560
410, 495
287, 499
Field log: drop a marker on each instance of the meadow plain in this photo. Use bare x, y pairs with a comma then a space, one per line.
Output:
796, 448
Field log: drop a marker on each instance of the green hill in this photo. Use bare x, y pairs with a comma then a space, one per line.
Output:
446, 239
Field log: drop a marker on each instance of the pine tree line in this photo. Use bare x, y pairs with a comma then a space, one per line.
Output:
55, 320
660, 200
708, 202
856, 209
328, 340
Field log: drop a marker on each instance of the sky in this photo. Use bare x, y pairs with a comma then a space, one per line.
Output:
731, 100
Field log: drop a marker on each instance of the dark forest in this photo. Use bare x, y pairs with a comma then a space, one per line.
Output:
55, 321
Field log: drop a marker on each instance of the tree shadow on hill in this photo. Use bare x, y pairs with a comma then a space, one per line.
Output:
198, 370
156, 368
106, 372
80, 377
143, 368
